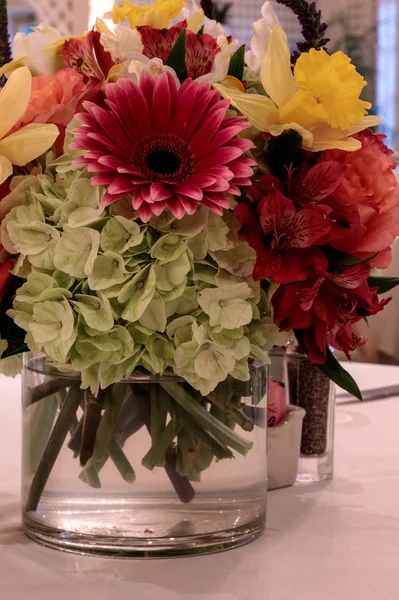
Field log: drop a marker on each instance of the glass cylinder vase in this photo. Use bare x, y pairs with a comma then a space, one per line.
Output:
149, 467
313, 391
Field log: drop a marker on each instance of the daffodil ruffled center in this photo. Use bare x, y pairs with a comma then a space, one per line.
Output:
329, 90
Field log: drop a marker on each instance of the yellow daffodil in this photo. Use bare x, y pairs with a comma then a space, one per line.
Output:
320, 100
156, 15
29, 142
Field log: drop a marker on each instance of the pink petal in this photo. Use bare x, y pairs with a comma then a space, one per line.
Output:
217, 199
220, 157
110, 199
189, 205
234, 191
160, 191
158, 208
192, 191
145, 212
120, 185
163, 98
213, 207
203, 147
176, 207
137, 200
102, 179
202, 180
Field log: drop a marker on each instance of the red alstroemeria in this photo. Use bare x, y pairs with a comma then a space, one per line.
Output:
326, 307
158, 43
319, 182
88, 57
201, 49
281, 234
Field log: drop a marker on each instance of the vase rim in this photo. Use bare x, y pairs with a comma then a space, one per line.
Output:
39, 364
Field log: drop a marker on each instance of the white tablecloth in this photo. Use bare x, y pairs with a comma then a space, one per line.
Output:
338, 541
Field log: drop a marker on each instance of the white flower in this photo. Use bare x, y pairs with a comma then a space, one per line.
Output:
260, 42
196, 19
38, 50
141, 63
221, 63
121, 43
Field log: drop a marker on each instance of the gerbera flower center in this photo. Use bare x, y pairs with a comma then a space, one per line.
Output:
164, 162
164, 157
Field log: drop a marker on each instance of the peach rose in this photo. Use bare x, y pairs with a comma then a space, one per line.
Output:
55, 98
365, 206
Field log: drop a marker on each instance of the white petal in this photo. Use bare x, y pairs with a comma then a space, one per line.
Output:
221, 63
123, 41
262, 30
33, 45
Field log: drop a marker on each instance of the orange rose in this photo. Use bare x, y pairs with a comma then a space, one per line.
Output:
54, 98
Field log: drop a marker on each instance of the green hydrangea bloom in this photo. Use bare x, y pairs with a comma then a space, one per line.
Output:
105, 293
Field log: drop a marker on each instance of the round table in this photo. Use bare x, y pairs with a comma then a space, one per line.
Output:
338, 540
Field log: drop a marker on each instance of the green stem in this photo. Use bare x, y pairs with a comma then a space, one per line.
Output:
75, 442
219, 449
109, 420
53, 447
92, 422
121, 462
39, 392
181, 483
221, 432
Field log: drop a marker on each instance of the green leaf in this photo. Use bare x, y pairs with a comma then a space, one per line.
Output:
384, 284
352, 261
335, 371
237, 63
177, 57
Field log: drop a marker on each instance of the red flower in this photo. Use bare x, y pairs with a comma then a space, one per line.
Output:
365, 206
5, 275
326, 307
87, 57
167, 146
281, 233
158, 43
201, 50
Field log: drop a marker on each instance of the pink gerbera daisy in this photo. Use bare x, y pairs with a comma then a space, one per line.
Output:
167, 146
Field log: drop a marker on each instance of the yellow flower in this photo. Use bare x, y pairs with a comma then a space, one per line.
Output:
330, 88
320, 100
29, 142
156, 15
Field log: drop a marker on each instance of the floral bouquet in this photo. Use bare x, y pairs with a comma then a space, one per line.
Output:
169, 204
